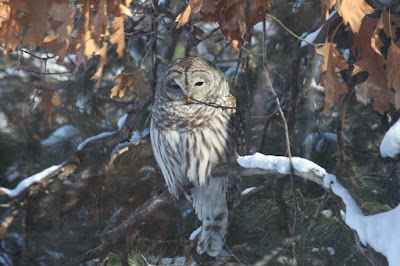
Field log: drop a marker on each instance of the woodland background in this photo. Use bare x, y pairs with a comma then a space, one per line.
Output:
71, 69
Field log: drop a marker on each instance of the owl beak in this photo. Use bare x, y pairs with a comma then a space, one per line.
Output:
189, 101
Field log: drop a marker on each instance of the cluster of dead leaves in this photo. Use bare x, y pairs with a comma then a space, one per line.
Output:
383, 82
55, 26
231, 15
49, 24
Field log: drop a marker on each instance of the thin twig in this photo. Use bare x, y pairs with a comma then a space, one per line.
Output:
288, 30
288, 150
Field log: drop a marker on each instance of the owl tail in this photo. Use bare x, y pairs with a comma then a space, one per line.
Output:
212, 204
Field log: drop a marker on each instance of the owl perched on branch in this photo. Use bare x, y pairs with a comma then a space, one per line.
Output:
195, 126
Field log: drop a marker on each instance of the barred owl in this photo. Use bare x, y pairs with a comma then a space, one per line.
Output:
195, 126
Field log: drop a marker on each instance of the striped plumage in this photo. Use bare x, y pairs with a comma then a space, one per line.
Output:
190, 138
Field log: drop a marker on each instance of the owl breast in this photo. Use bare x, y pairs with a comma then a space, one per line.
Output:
193, 146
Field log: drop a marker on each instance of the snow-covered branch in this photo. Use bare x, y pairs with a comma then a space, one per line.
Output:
380, 231
66, 168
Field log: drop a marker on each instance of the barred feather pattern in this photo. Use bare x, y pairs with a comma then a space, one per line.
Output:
189, 139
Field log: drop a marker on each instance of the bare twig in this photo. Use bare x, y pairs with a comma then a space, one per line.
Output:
287, 138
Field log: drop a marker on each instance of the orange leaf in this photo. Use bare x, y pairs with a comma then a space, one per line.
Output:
195, 5
118, 35
353, 12
132, 78
183, 17
332, 64
10, 25
102, 52
326, 5
48, 101
393, 71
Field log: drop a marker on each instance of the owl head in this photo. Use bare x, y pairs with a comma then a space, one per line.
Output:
192, 79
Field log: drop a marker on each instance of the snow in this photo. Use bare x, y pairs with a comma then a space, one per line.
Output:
61, 134
327, 213
280, 164
313, 35
248, 190
121, 120
390, 146
380, 231
29, 181
316, 86
86, 141
310, 37
346, 54
194, 234
3, 120
331, 250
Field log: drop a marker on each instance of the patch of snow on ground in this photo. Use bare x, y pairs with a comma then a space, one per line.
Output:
390, 146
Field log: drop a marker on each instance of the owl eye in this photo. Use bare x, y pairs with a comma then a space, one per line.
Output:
174, 86
200, 83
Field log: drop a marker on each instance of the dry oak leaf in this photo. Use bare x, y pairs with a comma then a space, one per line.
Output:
61, 20
118, 35
48, 101
132, 78
183, 17
352, 11
230, 15
11, 25
257, 11
375, 87
390, 23
37, 21
333, 63
393, 71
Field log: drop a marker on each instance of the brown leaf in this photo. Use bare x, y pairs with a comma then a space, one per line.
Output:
393, 71
390, 23
353, 12
375, 86
118, 35
257, 11
183, 17
38, 22
376, 43
332, 64
48, 101
132, 78
61, 20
